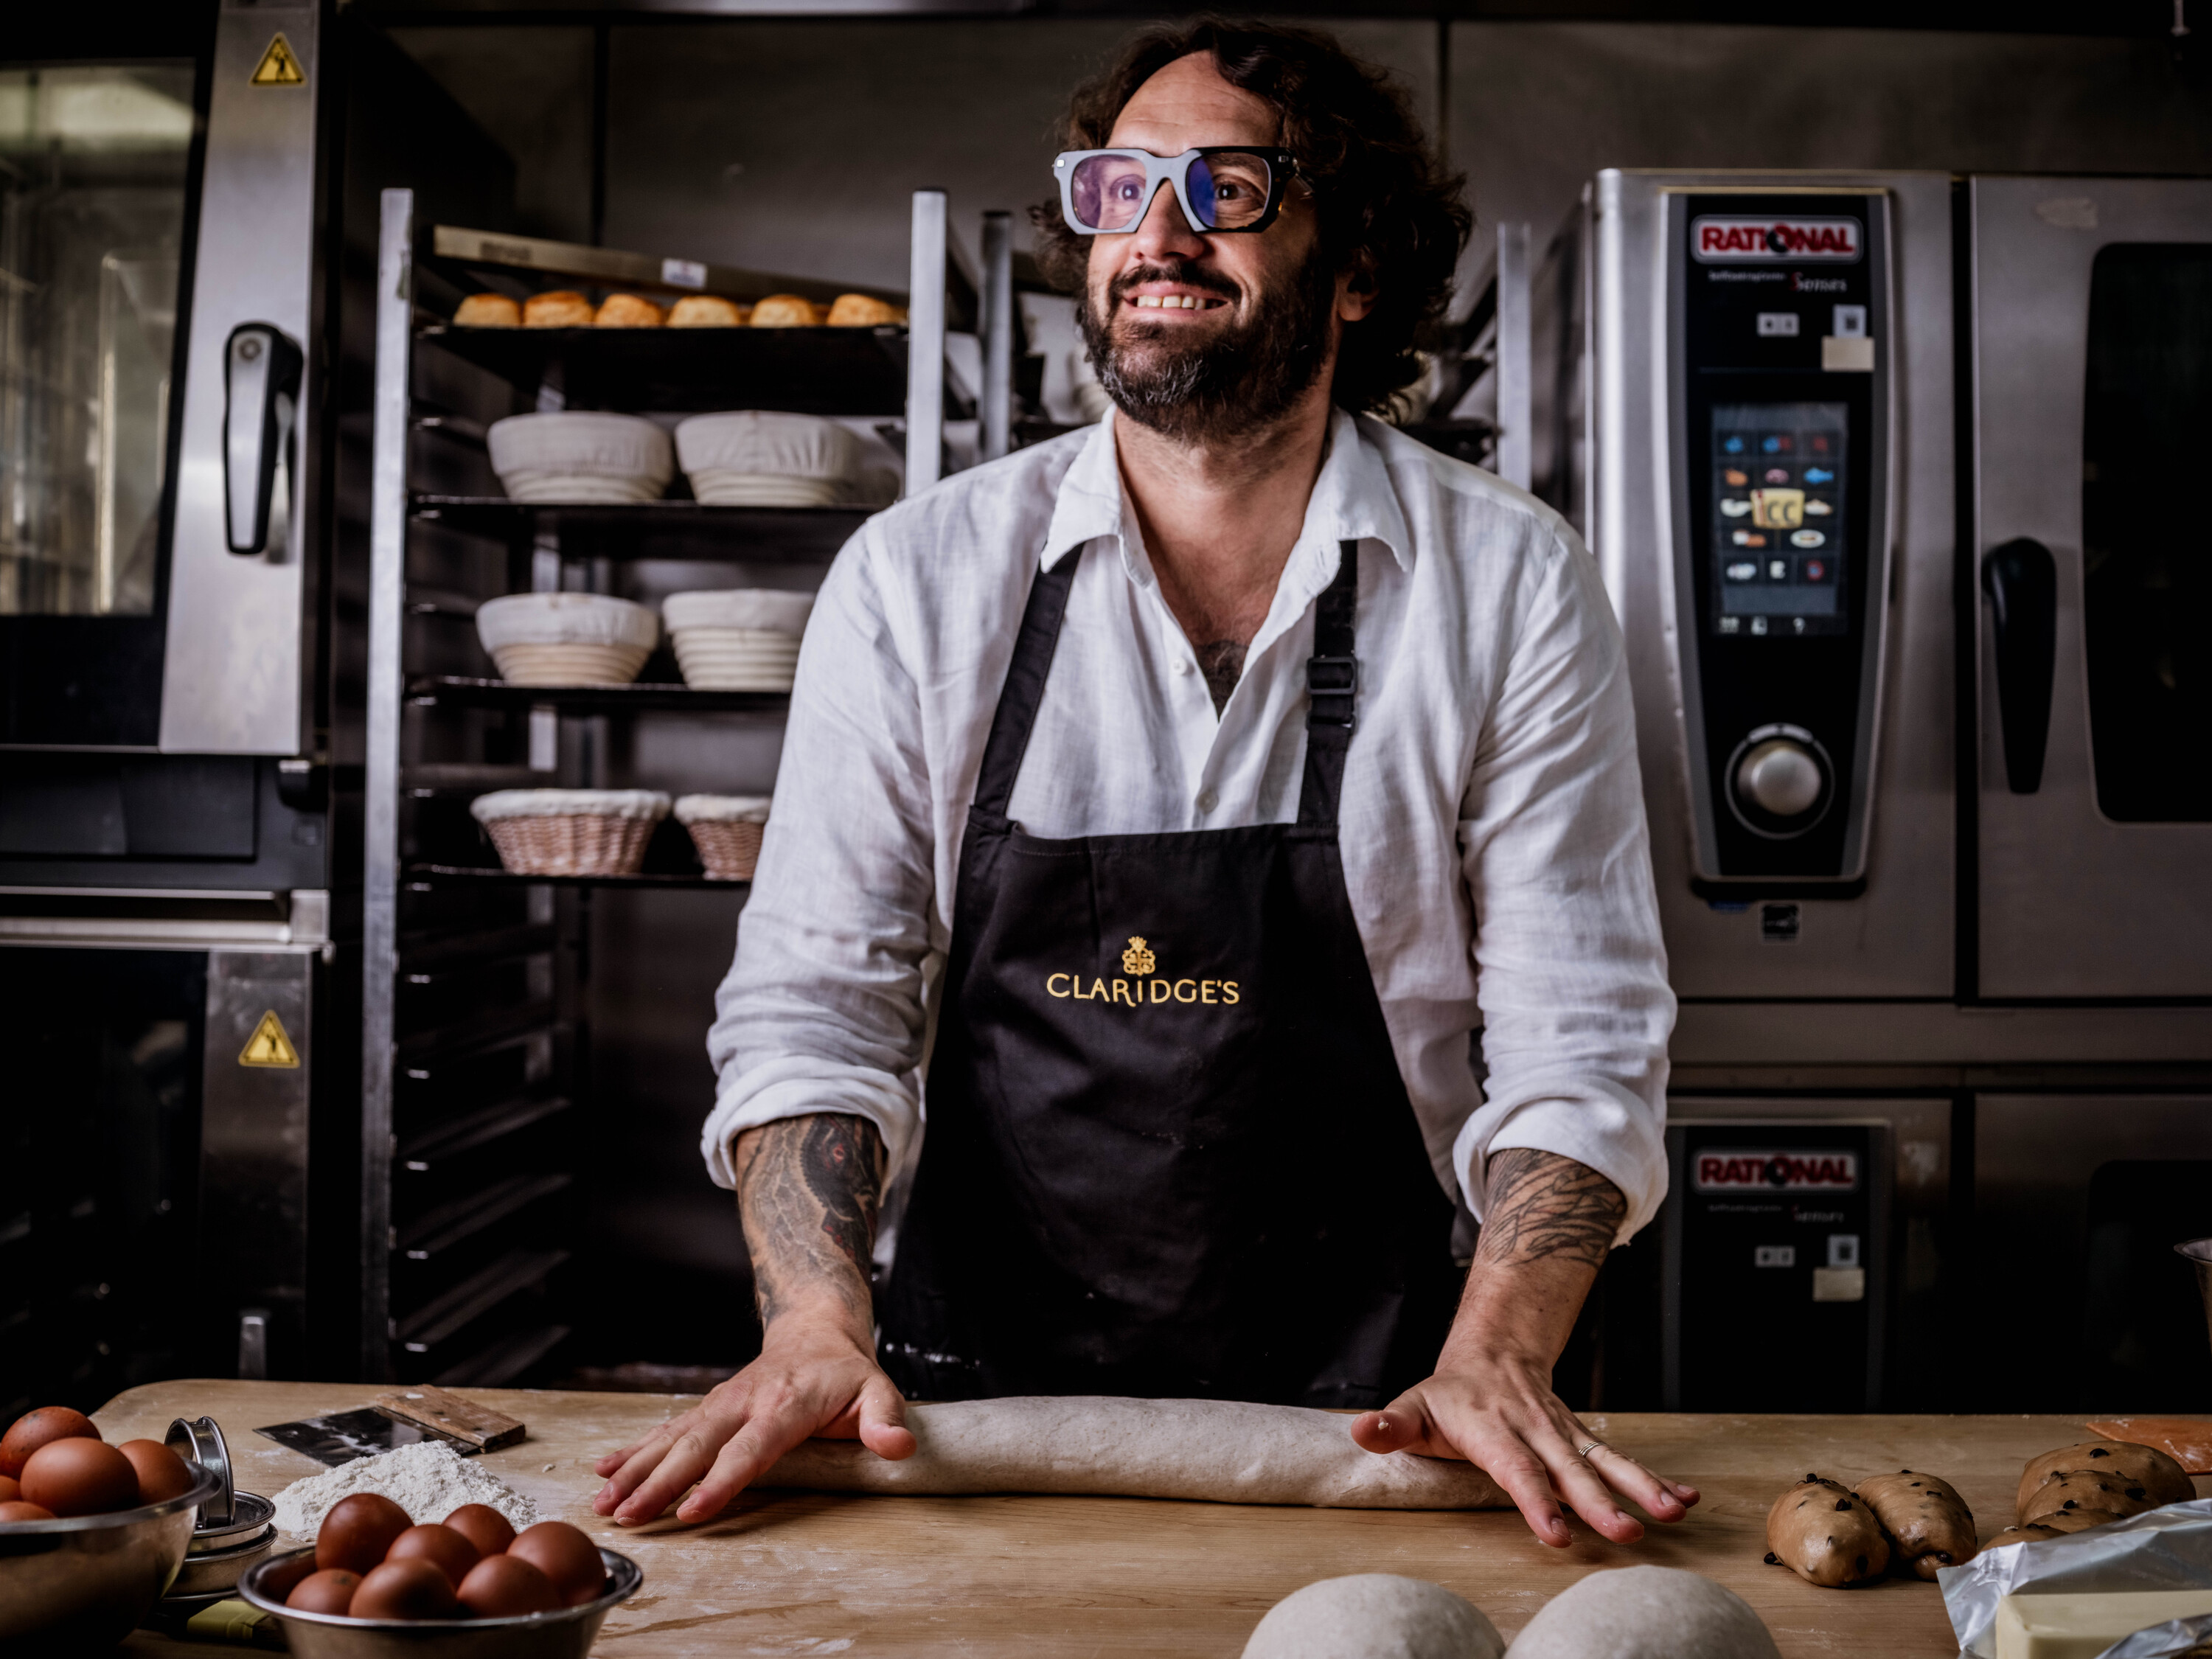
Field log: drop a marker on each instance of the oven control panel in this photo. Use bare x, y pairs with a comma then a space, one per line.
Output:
1780, 407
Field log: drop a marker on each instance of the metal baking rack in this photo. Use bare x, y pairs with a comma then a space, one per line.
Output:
475, 1030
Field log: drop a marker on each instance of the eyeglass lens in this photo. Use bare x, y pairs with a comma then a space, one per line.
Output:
1227, 190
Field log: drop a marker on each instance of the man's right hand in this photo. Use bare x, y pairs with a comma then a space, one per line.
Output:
813, 1379
808, 1189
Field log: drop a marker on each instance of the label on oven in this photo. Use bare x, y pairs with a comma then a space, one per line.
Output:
1721, 1170
1716, 238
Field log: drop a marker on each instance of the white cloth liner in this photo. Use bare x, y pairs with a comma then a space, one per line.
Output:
769, 610
566, 619
580, 455
763, 458
722, 809
569, 803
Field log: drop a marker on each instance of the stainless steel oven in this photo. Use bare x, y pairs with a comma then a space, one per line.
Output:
2090, 302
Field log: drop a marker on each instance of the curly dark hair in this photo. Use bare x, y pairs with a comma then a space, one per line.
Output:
1386, 206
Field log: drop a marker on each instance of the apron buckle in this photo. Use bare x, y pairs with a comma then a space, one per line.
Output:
1335, 681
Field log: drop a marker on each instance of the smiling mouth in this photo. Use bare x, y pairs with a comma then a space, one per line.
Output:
1175, 302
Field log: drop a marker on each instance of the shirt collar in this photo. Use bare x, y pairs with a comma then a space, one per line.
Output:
1353, 500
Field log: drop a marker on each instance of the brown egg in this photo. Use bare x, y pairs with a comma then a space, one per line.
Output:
405, 1589
10, 1489
507, 1587
330, 1590
443, 1547
483, 1526
162, 1474
80, 1477
358, 1530
34, 1429
566, 1557
17, 1510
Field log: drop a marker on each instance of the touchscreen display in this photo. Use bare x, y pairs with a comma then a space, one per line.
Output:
1777, 519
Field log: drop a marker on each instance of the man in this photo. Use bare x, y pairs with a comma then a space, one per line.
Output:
1179, 797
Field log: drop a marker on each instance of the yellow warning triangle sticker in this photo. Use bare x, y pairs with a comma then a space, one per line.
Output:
279, 68
269, 1045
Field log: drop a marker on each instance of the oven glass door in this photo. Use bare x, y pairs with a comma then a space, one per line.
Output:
2093, 411
96, 172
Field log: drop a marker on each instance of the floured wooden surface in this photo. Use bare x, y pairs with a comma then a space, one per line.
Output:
1001, 1578
1216, 1451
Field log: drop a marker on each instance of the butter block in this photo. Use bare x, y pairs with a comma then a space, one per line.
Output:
2081, 1626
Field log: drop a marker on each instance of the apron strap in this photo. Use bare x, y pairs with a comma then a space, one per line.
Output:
1332, 691
1024, 687
1332, 694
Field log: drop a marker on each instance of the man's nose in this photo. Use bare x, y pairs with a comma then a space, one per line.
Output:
1166, 234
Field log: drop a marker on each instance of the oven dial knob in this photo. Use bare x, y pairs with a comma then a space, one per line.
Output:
1780, 778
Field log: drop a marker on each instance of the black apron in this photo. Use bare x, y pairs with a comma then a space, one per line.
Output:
1168, 1152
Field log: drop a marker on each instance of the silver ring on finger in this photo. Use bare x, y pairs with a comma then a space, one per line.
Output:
1582, 1453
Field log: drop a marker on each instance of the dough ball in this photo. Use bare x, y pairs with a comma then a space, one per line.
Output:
1374, 1615
1645, 1613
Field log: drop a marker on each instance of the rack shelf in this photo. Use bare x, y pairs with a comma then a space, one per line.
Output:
638, 696
805, 371
655, 530
437, 873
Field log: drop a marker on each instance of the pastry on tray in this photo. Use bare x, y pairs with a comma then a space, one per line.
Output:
788, 311
627, 311
707, 311
863, 311
487, 311
563, 308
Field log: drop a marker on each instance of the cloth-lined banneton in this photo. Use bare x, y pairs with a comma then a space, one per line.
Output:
570, 832
759, 458
580, 456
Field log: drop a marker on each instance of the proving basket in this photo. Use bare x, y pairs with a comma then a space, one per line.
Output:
761, 458
741, 639
580, 456
570, 832
567, 639
727, 830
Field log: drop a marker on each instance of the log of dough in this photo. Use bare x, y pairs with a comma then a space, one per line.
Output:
1219, 1452
1644, 1612
1374, 1615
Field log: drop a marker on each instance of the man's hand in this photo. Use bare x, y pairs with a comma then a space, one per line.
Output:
1547, 1225
808, 1190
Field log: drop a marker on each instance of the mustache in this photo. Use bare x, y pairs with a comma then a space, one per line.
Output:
1179, 270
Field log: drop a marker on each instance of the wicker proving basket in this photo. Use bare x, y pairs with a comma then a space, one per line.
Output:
727, 830
570, 832
567, 639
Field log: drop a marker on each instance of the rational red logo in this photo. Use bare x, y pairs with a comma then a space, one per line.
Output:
1718, 241
1721, 1171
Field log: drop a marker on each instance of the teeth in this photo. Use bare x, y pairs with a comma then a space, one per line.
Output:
1174, 302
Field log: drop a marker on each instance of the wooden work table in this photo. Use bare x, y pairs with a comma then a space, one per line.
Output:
792, 1573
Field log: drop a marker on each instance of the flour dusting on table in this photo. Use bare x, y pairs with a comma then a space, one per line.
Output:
429, 1479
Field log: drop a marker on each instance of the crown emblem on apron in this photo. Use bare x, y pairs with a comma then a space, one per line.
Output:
1138, 959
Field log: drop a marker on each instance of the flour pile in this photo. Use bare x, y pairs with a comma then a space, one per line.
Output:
429, 1479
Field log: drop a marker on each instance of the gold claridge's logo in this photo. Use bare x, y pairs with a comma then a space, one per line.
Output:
1139, 962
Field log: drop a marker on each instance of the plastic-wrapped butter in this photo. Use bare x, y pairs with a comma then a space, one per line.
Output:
2081, 1626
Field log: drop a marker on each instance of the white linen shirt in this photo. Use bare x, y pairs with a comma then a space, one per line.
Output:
1492, 818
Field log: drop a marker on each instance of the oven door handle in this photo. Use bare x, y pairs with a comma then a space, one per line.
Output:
2021, 579
261, 395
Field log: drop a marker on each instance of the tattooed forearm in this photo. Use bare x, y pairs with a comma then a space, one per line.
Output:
808, 1190
1541, 1204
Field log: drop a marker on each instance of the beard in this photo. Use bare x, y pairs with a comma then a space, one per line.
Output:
1240, 380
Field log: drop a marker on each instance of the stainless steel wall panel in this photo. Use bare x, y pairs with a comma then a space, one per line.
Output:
254, 1173
2073, 904
234, 680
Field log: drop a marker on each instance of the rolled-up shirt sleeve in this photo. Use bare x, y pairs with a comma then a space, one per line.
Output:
823, 1008
1571, 971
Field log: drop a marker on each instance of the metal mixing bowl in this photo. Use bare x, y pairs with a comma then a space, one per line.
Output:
75, 1585
565, 1633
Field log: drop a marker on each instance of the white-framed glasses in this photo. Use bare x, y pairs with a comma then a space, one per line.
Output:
1222, 189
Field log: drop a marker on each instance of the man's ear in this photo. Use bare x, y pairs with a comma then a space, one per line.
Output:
1357, 290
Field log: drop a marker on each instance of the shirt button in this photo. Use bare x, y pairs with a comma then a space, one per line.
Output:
1182, 665
1207, 800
